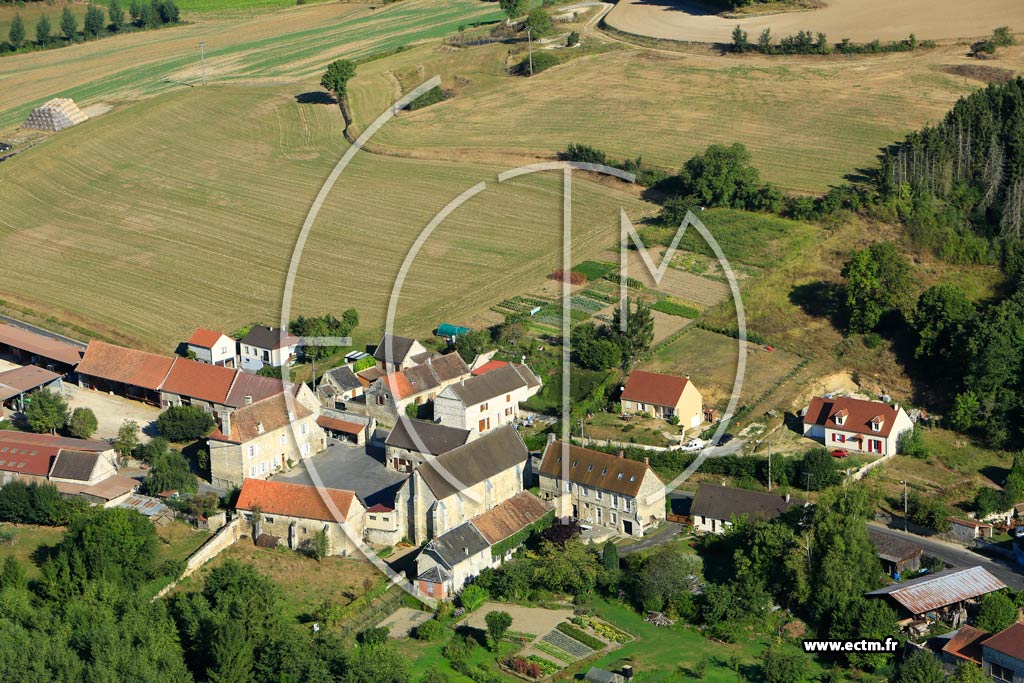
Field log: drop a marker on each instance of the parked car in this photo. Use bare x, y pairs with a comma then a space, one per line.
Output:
840, 453
724, 439
692, 445
1018, 532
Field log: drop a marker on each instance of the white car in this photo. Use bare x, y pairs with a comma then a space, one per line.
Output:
692, 445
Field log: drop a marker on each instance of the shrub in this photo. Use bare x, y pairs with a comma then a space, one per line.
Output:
184, 423
872, 340
573, 40
574, 277
542, 61
432, 96
576, 634
429, 630
472, 597
539, 23
82, 423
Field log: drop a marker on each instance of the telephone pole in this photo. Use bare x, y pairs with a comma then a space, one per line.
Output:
905, 506
529, 40
769, 466
202, 59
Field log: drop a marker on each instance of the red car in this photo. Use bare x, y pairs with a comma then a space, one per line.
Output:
839, 453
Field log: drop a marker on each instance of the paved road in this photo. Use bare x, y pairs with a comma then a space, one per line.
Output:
346, 466
662, 535
41, 331
958, 556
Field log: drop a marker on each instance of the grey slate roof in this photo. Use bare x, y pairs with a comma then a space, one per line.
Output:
76, 465
434, 575
474, 462
344, 378
455, 545
893, 549
490, 385
399, 348
436, 439
263, 337
722, 502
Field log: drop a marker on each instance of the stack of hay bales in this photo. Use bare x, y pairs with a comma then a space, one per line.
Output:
57, 114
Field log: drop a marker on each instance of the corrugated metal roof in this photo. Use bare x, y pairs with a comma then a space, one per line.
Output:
947, 587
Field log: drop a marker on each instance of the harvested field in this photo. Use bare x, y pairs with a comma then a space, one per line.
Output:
666, 325
678, 283
858, 20
173, 220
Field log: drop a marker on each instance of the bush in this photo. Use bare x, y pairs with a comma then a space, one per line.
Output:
573, 40
539, 23
542, 61
82, 423
472, 597
184, 423
429, 630
432, 96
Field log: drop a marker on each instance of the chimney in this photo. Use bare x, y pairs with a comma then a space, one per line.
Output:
647, 461
225, 423
551, 439
466, 551
248, 400
622, 453
787, 497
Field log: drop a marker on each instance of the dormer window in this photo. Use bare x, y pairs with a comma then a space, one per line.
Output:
876, 423
840, 417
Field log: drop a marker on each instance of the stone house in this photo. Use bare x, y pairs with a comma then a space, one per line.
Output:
213, 348
715, 507
263, 438
445, 491
267, 346
487, 401
339, 386
664, 396
413, 442
966, 531
449, 561
856, 425
382, 525
294, 513
605, 490
82, 468
388, 397
30, 457
394, 353
1002, 655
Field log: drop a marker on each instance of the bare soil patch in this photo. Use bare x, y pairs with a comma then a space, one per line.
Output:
980, 72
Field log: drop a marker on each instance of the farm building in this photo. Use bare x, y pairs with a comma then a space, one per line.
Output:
447, 562
16, 384
413, 442
966, 531
664, 396
31, 348
897, 555
213, 348
81, 469
964, 645
488, 401
346, 426
294, 513
602, 489
388, 397
30, 457
56, 115
715, 507
856, 425
338, 386
943, 594
1002, 655
490, 365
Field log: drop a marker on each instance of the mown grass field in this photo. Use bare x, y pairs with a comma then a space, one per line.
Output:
808, 122
183, 210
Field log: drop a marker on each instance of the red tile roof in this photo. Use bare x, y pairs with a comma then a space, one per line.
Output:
199, 380
488, 366
23, 379
39, 345
205, 338
296, 500
650, 387
1009, 641
380, 507
127, 366
399, 386
270, 413
34, 454
510, 517
337, 425
256, 387
859, 415
595, 469
966, 644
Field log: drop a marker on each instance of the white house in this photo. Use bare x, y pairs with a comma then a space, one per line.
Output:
856, 425
715, 507
213, 348
267, 346
487, 401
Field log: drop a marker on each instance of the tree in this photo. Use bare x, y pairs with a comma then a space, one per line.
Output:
667, 573
721, 176
68, 24
610, 556
377, 664
539, 22
12, 574
318, 545
996, 613
337, 76
43, 30
911, 442
781, 665
843, 561
472, 344
182, 423
878, 281
921, 667
818, 470
498, 622
323, 326
167, 11
94, 25
82, 424
169, 470
942, 320
472, 596
929, 511
512, 8
46, 412
127, 438
16, 35
740, 40
114, 544
232, 654
116, 14
764, 41
636, 339
573, 39
969, 672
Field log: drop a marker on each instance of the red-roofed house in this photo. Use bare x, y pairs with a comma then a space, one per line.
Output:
663, 396
213, 348
388, 397
856, 425
294, 513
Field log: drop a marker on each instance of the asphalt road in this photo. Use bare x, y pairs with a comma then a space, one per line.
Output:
958, 556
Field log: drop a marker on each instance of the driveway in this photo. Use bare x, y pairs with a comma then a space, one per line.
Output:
663, 535
351, 467
112, 411
958, 556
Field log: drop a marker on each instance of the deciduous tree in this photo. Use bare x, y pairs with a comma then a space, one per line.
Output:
46, 412
16, 34
68, 24
337, 76
82, 424
498, 622
43, 31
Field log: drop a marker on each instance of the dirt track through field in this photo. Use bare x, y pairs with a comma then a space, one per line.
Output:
858, 20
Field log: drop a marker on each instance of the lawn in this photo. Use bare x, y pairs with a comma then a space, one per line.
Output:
143, 218
27, 539
710, 360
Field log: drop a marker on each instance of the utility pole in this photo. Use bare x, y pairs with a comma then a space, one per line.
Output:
529, 40
808, 475
905, 507
769, 466
202, 59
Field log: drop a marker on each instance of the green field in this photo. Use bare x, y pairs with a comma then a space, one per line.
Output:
183, 210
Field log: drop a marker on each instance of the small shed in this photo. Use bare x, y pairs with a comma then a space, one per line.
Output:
898, 556
967, 530
596, 675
